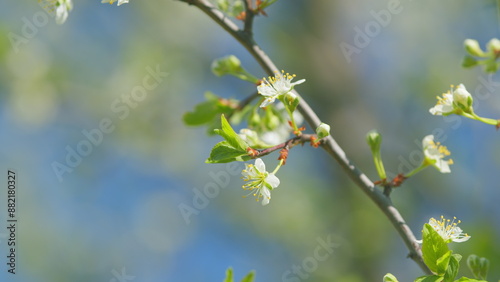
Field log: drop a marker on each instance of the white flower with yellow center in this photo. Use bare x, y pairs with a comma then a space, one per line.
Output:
458, 99
435, 154
260, 182
449, 230
276, 86
60, 8
113, 1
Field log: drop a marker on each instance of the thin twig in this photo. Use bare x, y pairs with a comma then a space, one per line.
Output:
249, 16
287, 144
329, 144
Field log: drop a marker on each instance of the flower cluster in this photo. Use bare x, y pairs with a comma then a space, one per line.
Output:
459, 101
477, 57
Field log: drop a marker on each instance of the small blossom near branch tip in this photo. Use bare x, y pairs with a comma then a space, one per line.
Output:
260, 182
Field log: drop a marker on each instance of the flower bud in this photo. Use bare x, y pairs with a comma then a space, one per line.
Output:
323, 130
226, 65
291, 101
374, 140
390, 278
472, 47
254, 119
493, 45
231, 65
462, 97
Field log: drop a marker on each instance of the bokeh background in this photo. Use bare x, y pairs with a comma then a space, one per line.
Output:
118, 212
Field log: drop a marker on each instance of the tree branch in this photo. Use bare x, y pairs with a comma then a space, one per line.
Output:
249, 16
329, 144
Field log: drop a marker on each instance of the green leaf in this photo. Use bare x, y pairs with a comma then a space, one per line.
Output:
430, 278
469, 62
389, 277
452, 270
250, 277
491, 66
229, 275
228, 133
209, 110
434, 248
442, 263
223, 152
465, 279
479, 266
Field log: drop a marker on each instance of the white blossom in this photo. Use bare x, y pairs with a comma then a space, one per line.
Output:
260, 182
448, 229
435, 154
275, 87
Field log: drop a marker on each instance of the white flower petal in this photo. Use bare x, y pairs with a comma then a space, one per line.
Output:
267, 101
61, 13
266, 195
299, 82
442, 166
260, 165
444, 105
272, 180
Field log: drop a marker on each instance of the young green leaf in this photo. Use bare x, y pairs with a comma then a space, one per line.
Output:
229, 275
469, 62
452, 270
465, 279
430, 278
209, 110
223, 152
250, 277
479, 266
232, 138
434, 248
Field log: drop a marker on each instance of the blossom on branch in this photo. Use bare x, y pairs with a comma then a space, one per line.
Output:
453, 102
435, 154
276, 87
261, 182
449, 230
